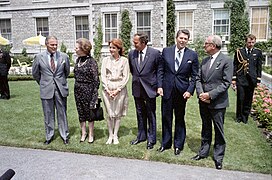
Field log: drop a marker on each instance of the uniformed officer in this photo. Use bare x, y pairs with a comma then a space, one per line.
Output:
246, 75
5, 63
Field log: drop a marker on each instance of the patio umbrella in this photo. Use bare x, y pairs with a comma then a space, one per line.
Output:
35, 40
4, 41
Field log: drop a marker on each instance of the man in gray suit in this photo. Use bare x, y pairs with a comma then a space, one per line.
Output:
50, 69
212, 83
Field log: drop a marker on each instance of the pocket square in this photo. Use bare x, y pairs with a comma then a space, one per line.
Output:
189, 61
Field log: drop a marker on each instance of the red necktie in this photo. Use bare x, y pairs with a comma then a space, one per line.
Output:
52, 63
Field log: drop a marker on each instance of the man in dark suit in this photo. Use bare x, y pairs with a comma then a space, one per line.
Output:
5, 63
180, 71
50, 69
247, 73
146, 68
212, 83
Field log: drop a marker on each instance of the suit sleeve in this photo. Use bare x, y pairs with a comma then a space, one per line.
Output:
235, 66
67, 66
259, 67
36, 69
160, 69
194, 73
199, 88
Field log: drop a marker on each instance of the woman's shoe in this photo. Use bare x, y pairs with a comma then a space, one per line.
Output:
91, 140
83, 138
109, 141
115, 140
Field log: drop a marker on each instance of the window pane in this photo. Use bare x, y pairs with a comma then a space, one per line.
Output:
259, 22
5, 28
144, 23
82, 27
42, 26
221, 23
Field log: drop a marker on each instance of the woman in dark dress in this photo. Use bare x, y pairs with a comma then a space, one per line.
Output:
86, 87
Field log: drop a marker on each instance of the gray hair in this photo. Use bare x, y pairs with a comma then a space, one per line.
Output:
216, 40
50, 37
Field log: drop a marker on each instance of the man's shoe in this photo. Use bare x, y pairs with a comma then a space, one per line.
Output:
177, 151
218, 165
136, 141
48, 141
197, 157
161, 149
66, 141
149, 145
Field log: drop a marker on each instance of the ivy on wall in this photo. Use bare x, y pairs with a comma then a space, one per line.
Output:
239, 24
126, 28
171, 22
98, 40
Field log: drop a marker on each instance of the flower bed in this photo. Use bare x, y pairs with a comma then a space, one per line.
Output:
262, 109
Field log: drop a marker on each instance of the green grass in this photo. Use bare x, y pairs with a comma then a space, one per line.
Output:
22, 126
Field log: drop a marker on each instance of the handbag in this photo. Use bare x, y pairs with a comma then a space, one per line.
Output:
97, 114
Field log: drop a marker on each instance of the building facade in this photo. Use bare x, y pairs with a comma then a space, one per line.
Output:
72, 19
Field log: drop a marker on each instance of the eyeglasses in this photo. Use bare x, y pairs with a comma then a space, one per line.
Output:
205, 44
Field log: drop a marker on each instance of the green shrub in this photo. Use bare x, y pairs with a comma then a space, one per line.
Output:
267, 69
26, 59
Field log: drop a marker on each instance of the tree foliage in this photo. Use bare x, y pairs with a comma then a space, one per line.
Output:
98, 41
126, 28
239, 23
171, 22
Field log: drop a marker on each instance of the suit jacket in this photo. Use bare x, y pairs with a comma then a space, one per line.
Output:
149, 76
216, 82
184, 78
49, 80
247, 68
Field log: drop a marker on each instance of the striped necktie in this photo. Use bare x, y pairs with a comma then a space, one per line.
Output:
52, 61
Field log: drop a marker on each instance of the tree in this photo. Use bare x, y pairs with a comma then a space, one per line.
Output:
63, 48
126, 27
239, 24
171, 22
98, 41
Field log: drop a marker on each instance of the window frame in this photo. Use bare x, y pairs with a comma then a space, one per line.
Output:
144, 27
82, 29
7, 35
178, 22
111, 28
266, 23
42, 32
225, 38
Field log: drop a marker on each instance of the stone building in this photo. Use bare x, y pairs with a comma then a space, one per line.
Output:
71, 19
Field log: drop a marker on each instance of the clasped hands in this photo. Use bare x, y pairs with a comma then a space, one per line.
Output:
205, 97
113, 93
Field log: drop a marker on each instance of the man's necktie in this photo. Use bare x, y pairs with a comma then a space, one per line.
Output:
208, 65
52, 61
248, 52
141, 59
177, 60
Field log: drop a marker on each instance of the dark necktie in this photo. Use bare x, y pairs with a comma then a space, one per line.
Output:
141, 59
248, 51
52, 61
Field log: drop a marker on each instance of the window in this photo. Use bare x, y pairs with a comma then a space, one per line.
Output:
144, 23
4, 2
259, 22
5, 28
185, 21
221, 23
110, 27
42, 26
82, 27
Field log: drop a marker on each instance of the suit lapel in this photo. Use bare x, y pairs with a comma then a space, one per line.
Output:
59, 60
184, 59
145, 58
135, 59
214, 66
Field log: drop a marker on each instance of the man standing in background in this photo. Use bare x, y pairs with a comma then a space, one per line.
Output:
5, 63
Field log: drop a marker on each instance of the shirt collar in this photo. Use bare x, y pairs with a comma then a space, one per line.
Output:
215, 55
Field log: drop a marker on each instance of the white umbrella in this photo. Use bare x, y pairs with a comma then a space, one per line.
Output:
4, 41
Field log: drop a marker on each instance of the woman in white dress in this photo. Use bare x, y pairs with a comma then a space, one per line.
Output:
114, 77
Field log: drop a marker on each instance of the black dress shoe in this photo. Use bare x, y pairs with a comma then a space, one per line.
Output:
66, 141
177, 151
197, 157
47, 141
218, 165
161, 149
136, 141
149, 145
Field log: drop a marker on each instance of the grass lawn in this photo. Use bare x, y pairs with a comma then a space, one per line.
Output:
22, 125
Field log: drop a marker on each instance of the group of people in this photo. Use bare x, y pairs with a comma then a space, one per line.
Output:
173, 74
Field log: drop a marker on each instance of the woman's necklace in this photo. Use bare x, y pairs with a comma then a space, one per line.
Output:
79, 64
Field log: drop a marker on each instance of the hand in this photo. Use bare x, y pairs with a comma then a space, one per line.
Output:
233, 85
160, 91
205, 97
187, 95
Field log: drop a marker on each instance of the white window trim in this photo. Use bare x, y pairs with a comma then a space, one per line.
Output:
136, 25
4, 2
40, 15
223, 37
75, 38
267, 27
193, 17
104, 43
38, 1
